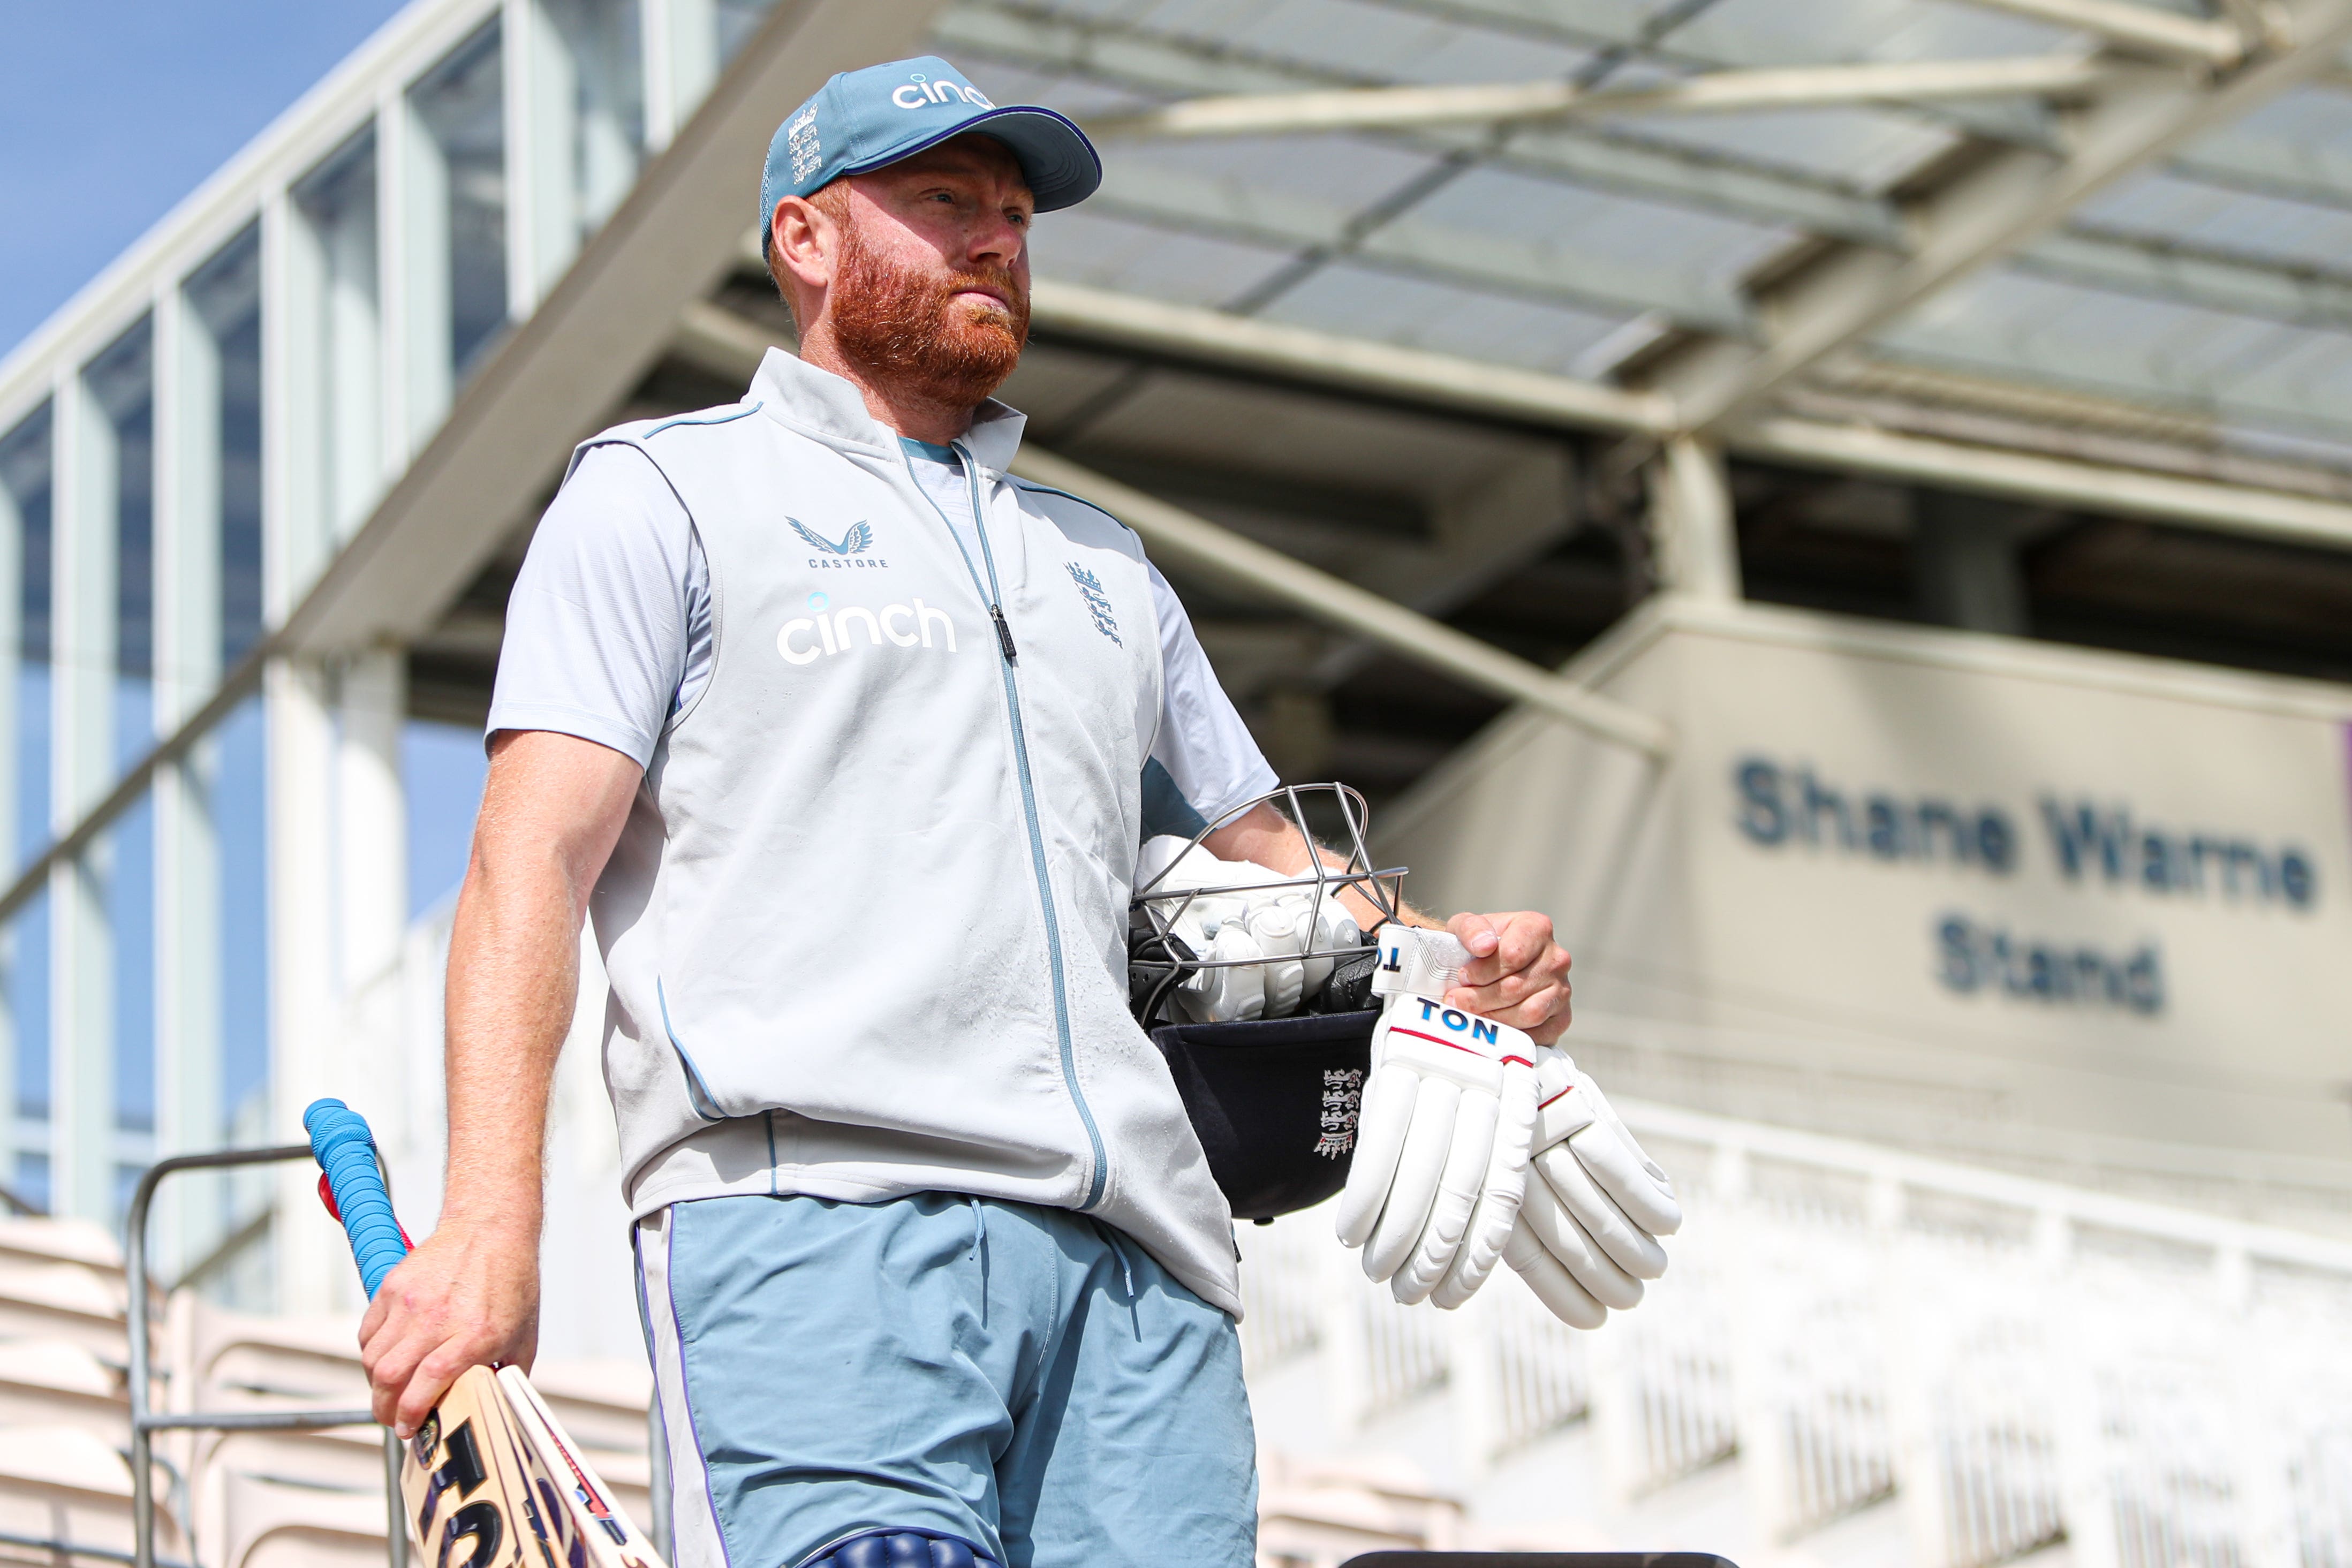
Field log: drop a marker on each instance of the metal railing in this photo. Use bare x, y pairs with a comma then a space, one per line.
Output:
145, 1423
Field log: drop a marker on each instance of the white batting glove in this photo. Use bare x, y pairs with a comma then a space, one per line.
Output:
1446, 1125
1587, 1233
1234, 916
1234, 990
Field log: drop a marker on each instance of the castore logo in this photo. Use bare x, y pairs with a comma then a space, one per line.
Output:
854, 543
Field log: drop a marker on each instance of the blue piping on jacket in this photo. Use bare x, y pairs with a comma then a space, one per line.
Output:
697, 1093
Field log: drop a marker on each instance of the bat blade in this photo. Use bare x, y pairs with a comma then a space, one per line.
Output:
466, 1483
592, 1516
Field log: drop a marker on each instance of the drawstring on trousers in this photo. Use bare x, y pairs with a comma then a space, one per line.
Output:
1127, 1275
978, 1228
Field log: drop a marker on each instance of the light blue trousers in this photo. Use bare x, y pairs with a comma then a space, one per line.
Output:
1019, 1376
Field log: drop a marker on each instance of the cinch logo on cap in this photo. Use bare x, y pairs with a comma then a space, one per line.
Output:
920, 89
867, 119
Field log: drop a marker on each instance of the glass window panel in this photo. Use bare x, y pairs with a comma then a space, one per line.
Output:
334, 319
25, 493
237, 800
122, 386
33, 1178
27, 505
461, 107
603, 38
225, 294
125, 868
27, 977
121, 867
223, 858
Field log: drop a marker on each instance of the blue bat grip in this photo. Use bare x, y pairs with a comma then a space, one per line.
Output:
345, 1150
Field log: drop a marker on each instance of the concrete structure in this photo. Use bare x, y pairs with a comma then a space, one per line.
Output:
1848, 504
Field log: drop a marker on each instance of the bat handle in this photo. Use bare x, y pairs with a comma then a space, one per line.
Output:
345, 1150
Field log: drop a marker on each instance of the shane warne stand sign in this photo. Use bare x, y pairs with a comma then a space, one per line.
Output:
2061, 887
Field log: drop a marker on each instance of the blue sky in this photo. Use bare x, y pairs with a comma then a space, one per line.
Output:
109, 116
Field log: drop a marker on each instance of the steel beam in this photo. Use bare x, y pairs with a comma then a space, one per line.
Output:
2176, 360
1178, 538
1849, 292
1468, 386
1692, 521
1712, 92
1416, 375
2143, 29
2053, 481
2241, 158
1480, 535
2188, 275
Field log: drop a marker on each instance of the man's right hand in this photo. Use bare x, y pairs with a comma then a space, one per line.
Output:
551, 812
465, 1297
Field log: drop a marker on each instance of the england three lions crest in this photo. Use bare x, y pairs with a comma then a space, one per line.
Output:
1090, 589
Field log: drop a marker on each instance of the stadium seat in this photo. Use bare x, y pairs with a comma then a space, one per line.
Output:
57, 1382
63, 1484
35, 1240
269, 1523
58, 1299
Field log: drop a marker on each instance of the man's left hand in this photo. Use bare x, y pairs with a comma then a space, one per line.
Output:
1516, 975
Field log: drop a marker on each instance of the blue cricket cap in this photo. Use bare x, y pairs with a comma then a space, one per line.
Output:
866, 119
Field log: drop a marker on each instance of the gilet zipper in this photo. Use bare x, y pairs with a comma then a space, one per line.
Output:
1008, 667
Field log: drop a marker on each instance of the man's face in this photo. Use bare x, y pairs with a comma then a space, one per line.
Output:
931, 287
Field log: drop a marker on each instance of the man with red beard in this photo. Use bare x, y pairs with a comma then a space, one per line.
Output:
847, 739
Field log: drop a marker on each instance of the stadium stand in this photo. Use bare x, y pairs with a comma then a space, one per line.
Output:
65, 1474
1858, 1355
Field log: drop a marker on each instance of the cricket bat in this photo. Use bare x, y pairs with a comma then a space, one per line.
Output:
593, 1517
490, 1480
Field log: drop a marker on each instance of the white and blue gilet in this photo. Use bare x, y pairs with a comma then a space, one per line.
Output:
866, 924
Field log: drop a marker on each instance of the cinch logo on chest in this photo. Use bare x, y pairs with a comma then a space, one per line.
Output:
805, 640
849, 552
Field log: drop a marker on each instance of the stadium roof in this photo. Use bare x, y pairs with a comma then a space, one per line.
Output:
2112, 216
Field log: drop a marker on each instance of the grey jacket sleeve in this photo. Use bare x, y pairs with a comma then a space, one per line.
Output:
600, 628
1204, 761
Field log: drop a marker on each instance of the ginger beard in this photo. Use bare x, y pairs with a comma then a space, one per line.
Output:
909, 330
